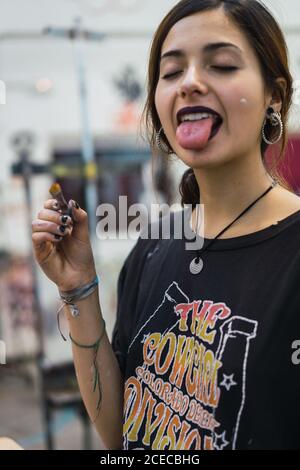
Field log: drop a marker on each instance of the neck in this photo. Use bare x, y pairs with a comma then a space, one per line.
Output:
226, 191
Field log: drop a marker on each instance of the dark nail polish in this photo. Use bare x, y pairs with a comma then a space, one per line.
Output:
62, 228
75, 204
64, 219
57, 237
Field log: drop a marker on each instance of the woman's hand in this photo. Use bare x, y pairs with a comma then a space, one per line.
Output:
62, 248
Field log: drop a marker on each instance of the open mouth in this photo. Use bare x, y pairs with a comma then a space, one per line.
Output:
216, 127
195, 113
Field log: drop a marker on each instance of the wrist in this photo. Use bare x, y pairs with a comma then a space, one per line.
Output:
77, 282
72, 296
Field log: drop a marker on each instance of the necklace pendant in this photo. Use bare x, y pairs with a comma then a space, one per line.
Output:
196, 267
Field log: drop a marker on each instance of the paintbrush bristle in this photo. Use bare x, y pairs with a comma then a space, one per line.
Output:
55, 189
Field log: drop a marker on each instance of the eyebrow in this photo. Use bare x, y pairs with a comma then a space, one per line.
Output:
210, 47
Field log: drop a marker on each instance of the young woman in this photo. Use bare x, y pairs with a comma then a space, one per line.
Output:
202, 350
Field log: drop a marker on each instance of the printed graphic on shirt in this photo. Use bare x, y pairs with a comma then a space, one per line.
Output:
189, 390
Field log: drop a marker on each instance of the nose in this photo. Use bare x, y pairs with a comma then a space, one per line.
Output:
192, 82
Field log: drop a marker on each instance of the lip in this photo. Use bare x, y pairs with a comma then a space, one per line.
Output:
215, 129
196, 109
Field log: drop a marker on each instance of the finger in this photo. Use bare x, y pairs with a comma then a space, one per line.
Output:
44, 226
40, 238
56, 217
51, 204
44, 244
80, 217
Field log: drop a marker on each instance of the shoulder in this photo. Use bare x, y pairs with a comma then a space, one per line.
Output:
285, 204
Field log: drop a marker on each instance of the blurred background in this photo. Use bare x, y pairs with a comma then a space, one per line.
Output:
72, 88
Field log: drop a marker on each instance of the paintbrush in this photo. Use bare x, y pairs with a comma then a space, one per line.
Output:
56, 193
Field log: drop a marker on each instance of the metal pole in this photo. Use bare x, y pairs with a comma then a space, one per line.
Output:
22, 143
87, 144
75, 34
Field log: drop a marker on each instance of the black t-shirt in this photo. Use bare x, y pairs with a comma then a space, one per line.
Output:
207, 358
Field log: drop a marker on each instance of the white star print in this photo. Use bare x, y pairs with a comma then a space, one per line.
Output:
228, 381
222, 444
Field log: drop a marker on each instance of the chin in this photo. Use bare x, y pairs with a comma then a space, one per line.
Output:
202, 158
211, 156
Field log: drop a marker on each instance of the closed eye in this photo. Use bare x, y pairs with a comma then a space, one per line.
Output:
217, 67
169, 75
225, 69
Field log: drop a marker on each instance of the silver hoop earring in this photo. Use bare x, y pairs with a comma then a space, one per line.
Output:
275, 118
161, 145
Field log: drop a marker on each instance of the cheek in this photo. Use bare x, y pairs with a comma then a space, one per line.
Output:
236, 99
161, 100
242, 108
248, 97
158, 103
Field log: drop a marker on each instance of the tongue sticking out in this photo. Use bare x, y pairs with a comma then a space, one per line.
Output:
194, 135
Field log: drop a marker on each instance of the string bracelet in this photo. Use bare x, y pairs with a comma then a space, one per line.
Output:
71, 296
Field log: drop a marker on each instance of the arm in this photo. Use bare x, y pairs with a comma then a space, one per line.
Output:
66, 257
86, 329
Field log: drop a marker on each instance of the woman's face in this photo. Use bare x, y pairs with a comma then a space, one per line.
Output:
238, 95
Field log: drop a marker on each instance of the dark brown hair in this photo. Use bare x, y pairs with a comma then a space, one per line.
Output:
268, 42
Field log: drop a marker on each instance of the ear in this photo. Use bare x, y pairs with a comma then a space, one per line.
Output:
276, 97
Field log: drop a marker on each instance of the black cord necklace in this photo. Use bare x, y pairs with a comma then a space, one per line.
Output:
196, 264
